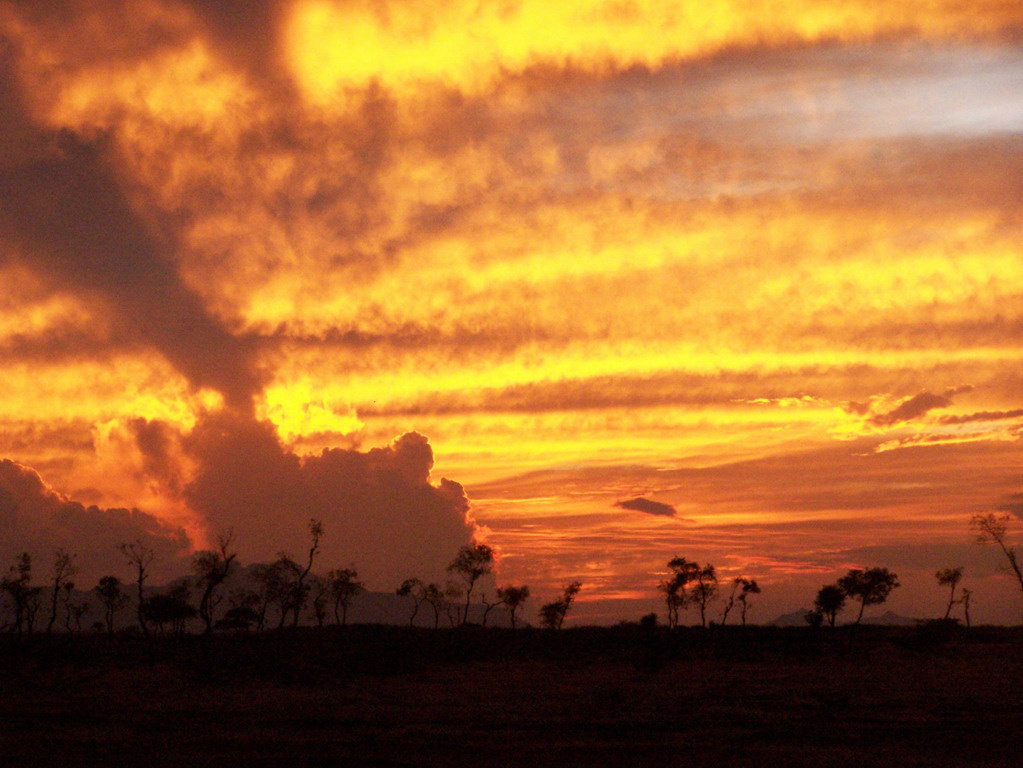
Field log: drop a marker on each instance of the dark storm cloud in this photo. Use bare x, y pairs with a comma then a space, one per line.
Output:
648, 506
379, 507
36, 519
65, 214
916, 406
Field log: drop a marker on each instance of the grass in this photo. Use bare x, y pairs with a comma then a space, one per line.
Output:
625, 696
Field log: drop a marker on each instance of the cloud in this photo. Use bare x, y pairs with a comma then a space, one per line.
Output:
1013, 505
67, 215
380, 508
36, 519
648, 506
914, 407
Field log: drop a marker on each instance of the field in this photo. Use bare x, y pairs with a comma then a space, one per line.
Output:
622, 696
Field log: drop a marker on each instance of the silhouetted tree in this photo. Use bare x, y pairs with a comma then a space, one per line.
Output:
243, 611
434, 596
111, 594
140, 557
966, 595
273, 582
471, 563
705, 590
513, 598
319, 587
63, 569
682, 572
994, 528
815, 618
452, 594
315, 534
212, 567
18, 585
74, 609
749, 587
415, 589
870, 587
950, 577
344, 587
829, 601
168, 609
552, 615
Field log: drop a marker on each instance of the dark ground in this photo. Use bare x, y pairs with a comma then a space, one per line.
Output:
625, 696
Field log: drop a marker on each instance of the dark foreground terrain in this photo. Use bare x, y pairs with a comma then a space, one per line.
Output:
623, 696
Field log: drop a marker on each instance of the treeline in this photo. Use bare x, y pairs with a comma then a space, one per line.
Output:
286, 591
277, 594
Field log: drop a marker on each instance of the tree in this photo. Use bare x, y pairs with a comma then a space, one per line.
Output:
513, 598
472, 562
415, 589
212, 567
950, 577
552, 615
298, 599
705, 590
74, 610
63, 569
344, 587
17, 584
140, 557
434, 596
749, 587
320, 589
273, 582
682, 572
870, 587
967, 594
168, 609
829, 601
113, 598
994, 528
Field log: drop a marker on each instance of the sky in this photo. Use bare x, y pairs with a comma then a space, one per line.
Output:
597, 282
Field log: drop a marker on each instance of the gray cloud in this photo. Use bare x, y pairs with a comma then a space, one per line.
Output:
639, 504
36, 519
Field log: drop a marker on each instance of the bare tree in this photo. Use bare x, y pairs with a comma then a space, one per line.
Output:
212, 567
344, 587
732, 597
552, 615
829, 601
513, 598
967, 594
63, 570
113, 598
140, 557
994, 528
950, 577
315, 534
871, 587
415, 589
472, 562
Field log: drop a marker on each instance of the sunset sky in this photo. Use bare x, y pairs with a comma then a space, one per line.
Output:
738, 281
